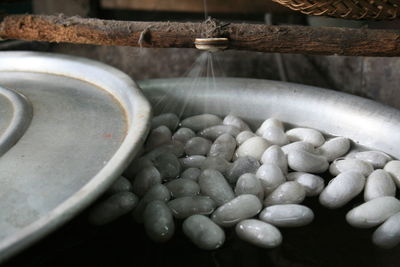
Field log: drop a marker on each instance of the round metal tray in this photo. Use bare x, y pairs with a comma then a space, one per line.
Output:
68, 128
366, 122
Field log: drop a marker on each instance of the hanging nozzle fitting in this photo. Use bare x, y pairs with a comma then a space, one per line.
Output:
211, 44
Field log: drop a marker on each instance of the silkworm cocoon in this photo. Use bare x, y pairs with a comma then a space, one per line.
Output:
388, 234
200, 122
299, 145
286, 193
303, 161
342, 189
253, 147
237, 122
271, 122
145, 179
197, 146
311, 136
248, 183
203, 232
224, 146
213, 184
275, 155
275, 135
287, 215
184, 207
344, 164
191, 173
120, 185
170, 120
241, 166
168, 165
192, 161
393, 168
243, 136
112, 208
373, 212
335, 148
216, 163
156, 192
377, 159
183, 135
214, 132
236, 210
158, 221
313, 184
259, 233
271, 177
157, 137
183, 188
379, 184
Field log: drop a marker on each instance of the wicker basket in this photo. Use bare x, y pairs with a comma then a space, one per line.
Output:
348, 9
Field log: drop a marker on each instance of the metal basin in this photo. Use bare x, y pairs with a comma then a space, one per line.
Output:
366, 122
68, 128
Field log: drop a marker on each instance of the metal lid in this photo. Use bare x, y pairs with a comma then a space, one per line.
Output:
68, 127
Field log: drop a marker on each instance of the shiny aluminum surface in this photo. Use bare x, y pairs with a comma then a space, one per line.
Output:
68, 127
366, 122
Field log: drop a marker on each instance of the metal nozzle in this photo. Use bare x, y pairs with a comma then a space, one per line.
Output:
211, 44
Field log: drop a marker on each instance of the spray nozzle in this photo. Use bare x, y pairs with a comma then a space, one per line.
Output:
211, 44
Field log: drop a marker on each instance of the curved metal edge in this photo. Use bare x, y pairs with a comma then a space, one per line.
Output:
365, 121
22, 116
138, 112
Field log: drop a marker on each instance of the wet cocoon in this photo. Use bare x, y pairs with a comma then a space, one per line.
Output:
203, 232
303, 161
239, 208
376, 158
287, 215
342, 189
286, 193
156, 192
253, 147
335, 148
213, 184
224, 146
158, 221
379, 184
183, 188
214, 132
355, 165
186, 206
275, 155
393, 168
270, 176
259, 233
306, 135
146, 179
243, 136
248, 183
199, 122
373, 212
167, 119
313, 184
388, 234
112, 208
237, 122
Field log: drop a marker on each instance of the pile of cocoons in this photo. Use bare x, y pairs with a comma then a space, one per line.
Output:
215, 173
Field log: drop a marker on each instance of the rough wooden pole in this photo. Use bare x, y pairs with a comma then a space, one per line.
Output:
255, 37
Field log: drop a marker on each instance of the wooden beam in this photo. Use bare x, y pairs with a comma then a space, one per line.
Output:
254, 37
197, 6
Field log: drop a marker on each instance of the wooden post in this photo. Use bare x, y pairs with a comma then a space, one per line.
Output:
254, 37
